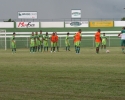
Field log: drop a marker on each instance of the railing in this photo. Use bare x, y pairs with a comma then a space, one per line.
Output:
22, 39
113, 41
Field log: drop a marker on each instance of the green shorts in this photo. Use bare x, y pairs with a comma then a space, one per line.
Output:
74, 43
53, 44
103, 42
97, 44
13, 45
32, 44
56, 44
122, 42
67, 43
37, 43
45, 43
77, 43
41, 42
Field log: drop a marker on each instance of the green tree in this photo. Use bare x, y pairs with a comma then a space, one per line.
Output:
123, 19
9, 20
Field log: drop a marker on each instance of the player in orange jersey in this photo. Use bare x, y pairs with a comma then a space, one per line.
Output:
97, 40
78, 38
53, 42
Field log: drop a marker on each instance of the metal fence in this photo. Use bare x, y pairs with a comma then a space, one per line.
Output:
23, 42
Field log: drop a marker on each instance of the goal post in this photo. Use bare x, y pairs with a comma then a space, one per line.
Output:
3, 39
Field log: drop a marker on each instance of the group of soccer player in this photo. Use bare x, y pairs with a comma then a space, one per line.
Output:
38, 42
76, 40
101, 40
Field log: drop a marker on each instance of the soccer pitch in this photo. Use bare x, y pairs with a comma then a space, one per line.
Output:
62, 75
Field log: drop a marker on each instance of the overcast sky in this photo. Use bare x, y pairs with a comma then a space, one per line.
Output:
57, 9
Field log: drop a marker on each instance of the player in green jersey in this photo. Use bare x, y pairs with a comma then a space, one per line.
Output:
122, 36
67, 43
37, 42
13, 43
45, 42
104, 41
41, 40
32, 43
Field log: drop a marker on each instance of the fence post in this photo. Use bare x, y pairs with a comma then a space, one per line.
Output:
27, 42
60, 41
93, 41
109, 42
5, 42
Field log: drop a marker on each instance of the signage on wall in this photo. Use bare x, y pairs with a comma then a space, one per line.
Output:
75, 13
27, 15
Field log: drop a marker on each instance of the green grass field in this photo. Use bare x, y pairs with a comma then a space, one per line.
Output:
62, 75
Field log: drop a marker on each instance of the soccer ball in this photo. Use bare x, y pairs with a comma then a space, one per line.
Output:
107, 51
